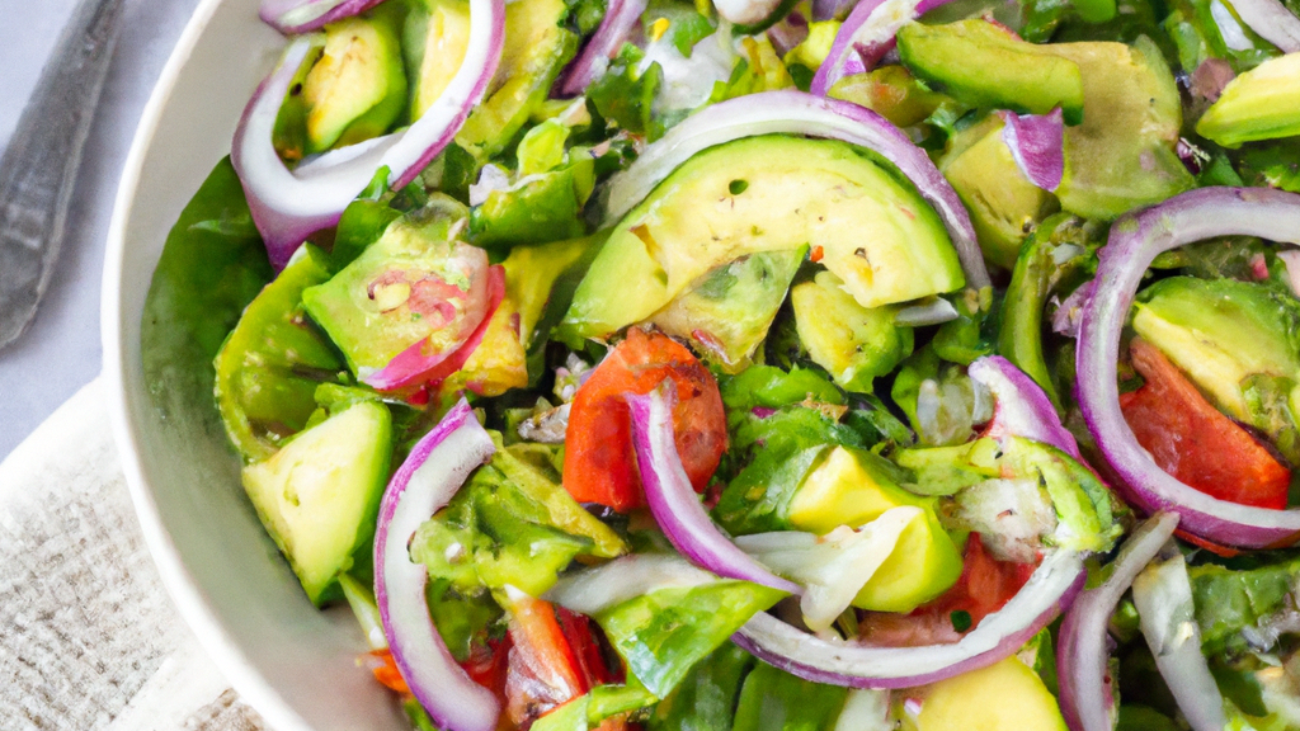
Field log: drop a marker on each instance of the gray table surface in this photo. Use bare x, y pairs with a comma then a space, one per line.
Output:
60, 352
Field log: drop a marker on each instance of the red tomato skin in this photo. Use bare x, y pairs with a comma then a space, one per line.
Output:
1192, 441
599, 466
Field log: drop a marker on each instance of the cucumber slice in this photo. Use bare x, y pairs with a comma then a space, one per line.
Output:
319, 496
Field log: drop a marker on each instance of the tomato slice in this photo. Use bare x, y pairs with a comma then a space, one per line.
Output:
985, 586
1194, 442
598, 462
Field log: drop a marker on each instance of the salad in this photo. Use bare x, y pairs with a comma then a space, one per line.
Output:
773, 364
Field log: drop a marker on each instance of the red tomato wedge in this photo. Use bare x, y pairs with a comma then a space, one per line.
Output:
598, 462
1194, 442
984, 587
543, 670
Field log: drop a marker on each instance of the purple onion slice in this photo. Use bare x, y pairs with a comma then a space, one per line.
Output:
288, 206
796, 112
1087, 700
1020, 406
620, 18
294, 17
1134, 242
673, 500
1272, 21
866, 36
1050, 589
435, 470
1037, 143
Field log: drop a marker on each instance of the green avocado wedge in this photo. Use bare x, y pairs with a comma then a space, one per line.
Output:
758, 194
983, 65
1261, 104
318, 496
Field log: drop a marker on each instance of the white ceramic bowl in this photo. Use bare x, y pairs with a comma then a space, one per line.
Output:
294, 664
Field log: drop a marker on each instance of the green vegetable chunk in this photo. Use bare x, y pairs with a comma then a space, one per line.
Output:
983, 65
1261, 104
706, 699
874, 232
727, 312
509, 525
855, 344
269, 367
1235, 340
774, 700
663, 634
319, 495
358, 87
1122, 156
1004, 205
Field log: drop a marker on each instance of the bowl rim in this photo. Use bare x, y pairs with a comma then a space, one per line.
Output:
233, 662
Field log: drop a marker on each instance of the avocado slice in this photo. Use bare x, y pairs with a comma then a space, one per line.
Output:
962, 703
1261, 104
854, 487
726, 314
771, 193
271, 363
1221, 332
392, 295
537, 48
981, 64
1122, 157
318, 496
855, 344
358, 87
1003, 204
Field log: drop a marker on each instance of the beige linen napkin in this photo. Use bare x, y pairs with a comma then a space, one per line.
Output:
88, 637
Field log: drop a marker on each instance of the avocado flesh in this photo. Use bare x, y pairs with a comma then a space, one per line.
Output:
358, 87
1003, 204
1122, 156
854, 487
855, 344
536, 47
726, 314
1261, 104
1006, 696
1220, 332
371, 319
874, 233
983, 65
318, 496
271, 363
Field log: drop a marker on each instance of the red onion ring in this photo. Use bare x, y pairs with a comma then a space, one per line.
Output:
796, 112
1065, 321
673, 501
866, 36
1081, 659
1037, 143
295, 17
831, 9
1020, 406
436, 468
1272, 21
1163, 596
412, 366
788, 32
1134, 243
620, 18
288, 206
1049, 590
